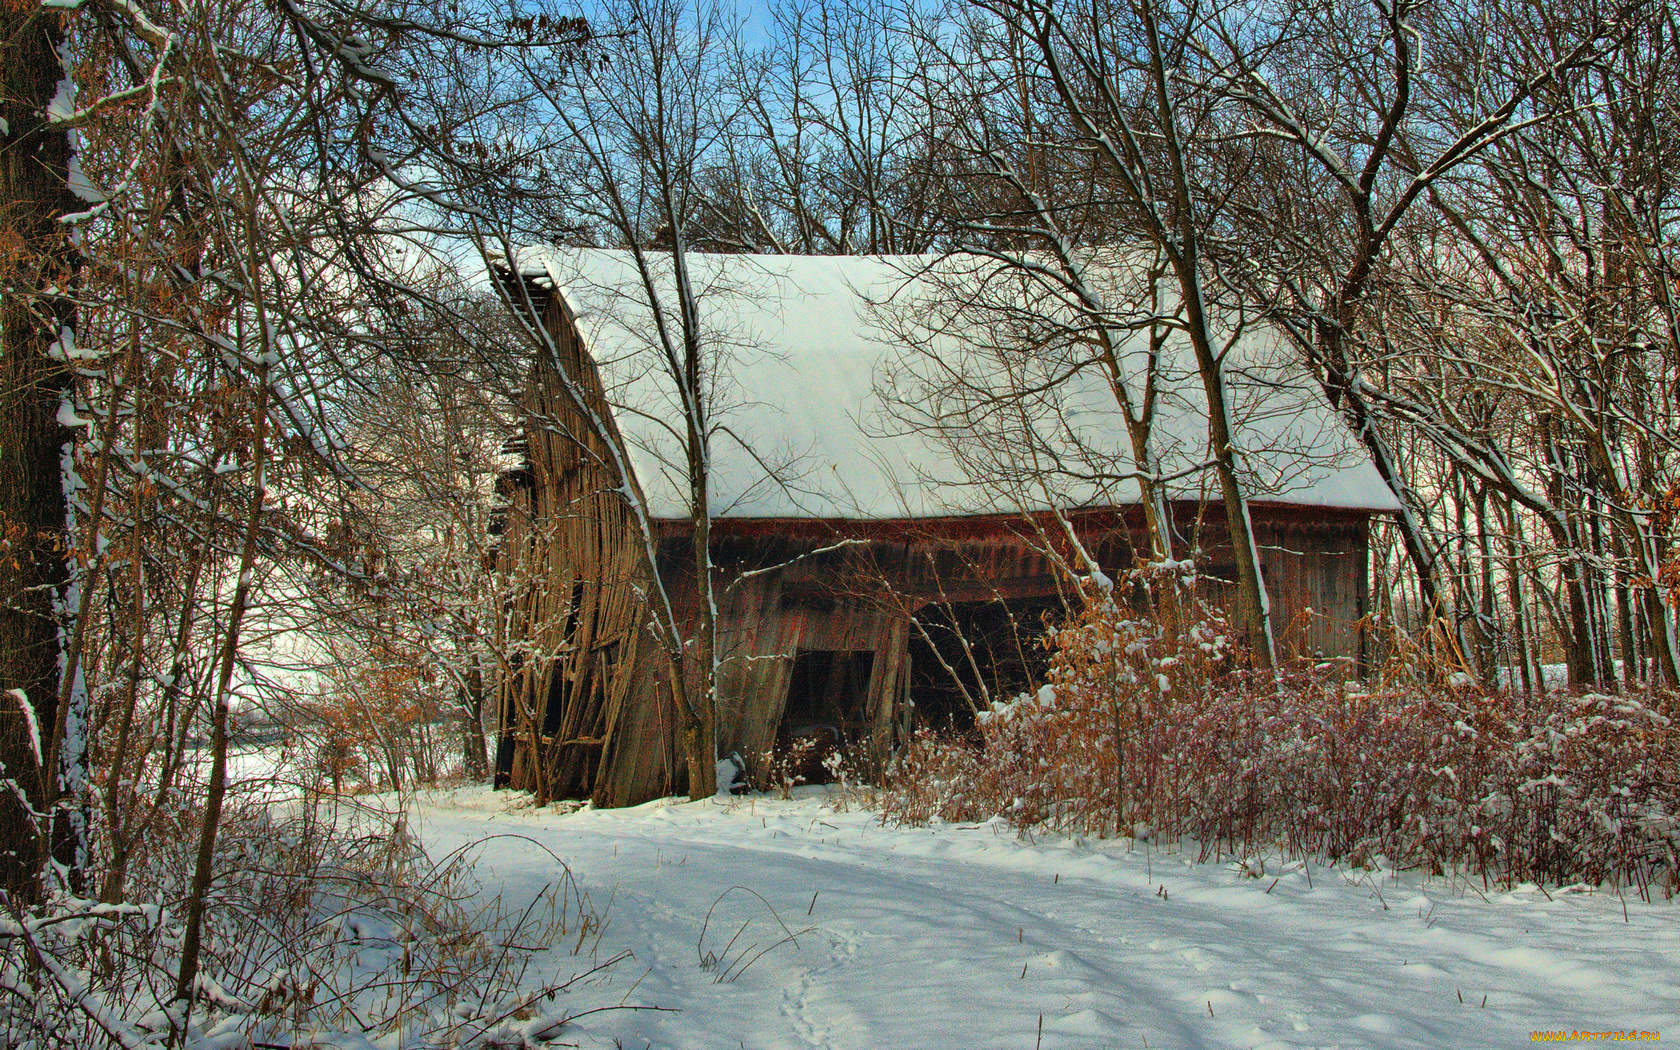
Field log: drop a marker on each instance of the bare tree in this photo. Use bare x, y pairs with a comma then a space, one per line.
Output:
633, 129
1375, 109
1076, 131
189, 293
1542, 310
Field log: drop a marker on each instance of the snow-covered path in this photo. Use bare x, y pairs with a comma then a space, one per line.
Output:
961, 936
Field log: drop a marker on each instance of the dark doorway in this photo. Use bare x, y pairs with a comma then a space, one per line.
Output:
1003, 653
828, 688
827, 708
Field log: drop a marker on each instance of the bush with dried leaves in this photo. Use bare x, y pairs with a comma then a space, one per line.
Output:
1145, 724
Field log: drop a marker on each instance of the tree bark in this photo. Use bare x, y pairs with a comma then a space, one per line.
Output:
34, 380
475, 758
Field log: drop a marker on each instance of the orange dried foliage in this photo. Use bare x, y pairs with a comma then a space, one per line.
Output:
365, 723
1147, 729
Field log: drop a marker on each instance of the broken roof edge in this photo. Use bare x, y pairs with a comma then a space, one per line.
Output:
744, 524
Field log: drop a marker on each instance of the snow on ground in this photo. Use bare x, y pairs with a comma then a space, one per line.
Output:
963, 936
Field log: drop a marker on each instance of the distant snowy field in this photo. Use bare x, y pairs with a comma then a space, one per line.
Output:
963, 936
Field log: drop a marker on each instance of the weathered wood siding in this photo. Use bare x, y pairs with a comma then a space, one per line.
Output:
574, 702
1317, 569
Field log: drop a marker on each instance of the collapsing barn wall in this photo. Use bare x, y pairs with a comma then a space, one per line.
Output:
797, 639
573, 718
932, 618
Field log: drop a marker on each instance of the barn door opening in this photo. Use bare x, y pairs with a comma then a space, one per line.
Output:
963, 654
827, 707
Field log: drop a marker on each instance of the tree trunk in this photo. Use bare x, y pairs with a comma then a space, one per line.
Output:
700, 721
475, 758
1253, 604
186, 978
34, 380
1665, 653
1583, 640
1186, 257
1519, 602
1632, 671
1488, 632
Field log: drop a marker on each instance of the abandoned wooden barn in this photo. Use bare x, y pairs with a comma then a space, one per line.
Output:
871, 573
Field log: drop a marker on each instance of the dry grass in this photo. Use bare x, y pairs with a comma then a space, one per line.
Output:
323, 919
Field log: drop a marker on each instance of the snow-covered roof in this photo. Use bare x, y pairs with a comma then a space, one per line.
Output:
852, 387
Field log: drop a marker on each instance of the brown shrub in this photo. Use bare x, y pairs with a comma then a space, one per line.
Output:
1144, 726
